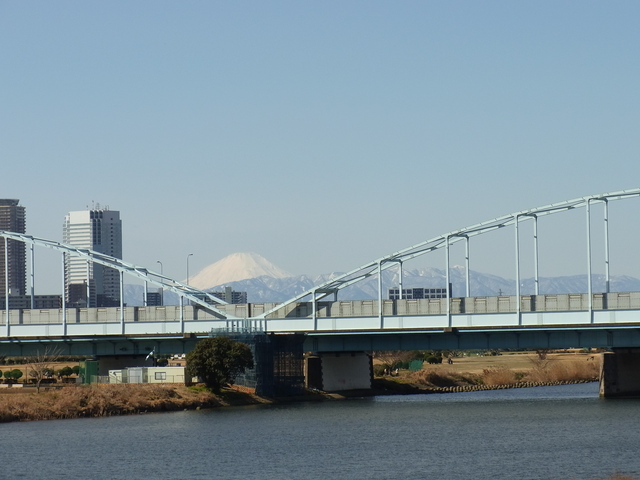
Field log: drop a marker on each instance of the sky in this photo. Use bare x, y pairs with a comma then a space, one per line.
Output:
320, 135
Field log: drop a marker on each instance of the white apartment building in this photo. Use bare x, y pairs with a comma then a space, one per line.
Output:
88, 284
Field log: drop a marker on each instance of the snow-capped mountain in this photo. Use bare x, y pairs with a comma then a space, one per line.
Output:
265, 282
266, 289
235, 267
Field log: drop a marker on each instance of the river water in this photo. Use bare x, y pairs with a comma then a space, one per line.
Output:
563, 432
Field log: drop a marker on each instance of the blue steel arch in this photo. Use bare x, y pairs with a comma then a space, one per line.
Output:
376, 267
196, 296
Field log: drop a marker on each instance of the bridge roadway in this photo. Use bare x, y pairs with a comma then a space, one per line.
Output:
537, 321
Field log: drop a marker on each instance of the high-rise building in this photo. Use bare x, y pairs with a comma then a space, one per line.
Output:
86, 283
12, 219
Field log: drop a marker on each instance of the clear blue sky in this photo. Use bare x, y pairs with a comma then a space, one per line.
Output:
320, 135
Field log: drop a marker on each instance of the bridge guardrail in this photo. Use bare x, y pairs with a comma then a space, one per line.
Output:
342, 308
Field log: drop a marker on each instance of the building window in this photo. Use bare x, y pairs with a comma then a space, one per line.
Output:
161, 375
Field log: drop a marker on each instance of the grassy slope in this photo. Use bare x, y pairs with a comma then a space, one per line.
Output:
105, 400
518, 369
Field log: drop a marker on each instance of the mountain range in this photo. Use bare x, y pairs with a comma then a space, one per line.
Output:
265, 282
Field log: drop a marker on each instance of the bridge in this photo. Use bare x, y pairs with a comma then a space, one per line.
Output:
329, 324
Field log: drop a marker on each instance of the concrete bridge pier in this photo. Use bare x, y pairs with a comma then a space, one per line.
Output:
334, 372
620, 373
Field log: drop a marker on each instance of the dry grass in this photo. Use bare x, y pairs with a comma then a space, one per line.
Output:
499, 371
498, 376
431, 377
516, 361
550, 370
106, 400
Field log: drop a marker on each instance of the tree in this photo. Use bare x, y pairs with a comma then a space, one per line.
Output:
392, 359
65, 372
217, 361
40, 364
13, 376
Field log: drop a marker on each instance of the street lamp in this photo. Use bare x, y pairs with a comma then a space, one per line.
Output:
188, 267
161, 283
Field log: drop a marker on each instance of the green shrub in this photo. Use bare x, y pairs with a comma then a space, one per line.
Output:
13, 376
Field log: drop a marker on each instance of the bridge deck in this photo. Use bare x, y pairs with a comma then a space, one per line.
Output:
339, 316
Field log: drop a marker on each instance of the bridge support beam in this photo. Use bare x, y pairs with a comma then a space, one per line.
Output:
334, 372
620, 373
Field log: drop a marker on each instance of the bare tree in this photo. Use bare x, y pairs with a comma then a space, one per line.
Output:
542, 353
40, 365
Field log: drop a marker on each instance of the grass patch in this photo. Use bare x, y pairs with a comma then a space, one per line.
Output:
498, 376
549, 370
441, 378
106, 400
540, 370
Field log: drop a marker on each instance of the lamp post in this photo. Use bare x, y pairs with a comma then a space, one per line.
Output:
162, 283
188, 267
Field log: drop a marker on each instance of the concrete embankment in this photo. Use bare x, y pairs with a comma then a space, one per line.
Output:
382, 386
476, 388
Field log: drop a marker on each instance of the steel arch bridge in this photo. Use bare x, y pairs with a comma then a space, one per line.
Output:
376, 267
196, 296
215, 306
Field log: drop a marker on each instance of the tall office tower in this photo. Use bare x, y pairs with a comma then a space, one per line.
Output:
12, 219
86, 283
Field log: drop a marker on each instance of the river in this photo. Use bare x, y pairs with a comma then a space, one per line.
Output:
563, 432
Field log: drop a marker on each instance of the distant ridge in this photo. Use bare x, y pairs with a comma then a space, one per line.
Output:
264, 282
234, 268
268, 289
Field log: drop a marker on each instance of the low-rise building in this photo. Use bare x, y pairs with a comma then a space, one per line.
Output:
416, 293
147, 375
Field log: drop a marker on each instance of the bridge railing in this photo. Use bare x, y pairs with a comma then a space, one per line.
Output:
336, 309
466, 305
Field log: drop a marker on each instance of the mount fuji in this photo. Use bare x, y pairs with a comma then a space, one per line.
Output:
236, 267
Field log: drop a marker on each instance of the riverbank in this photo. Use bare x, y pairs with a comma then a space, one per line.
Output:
108, 400
85, 401
465, 374
511, 370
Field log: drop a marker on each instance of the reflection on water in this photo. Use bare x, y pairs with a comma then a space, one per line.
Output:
562, 432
